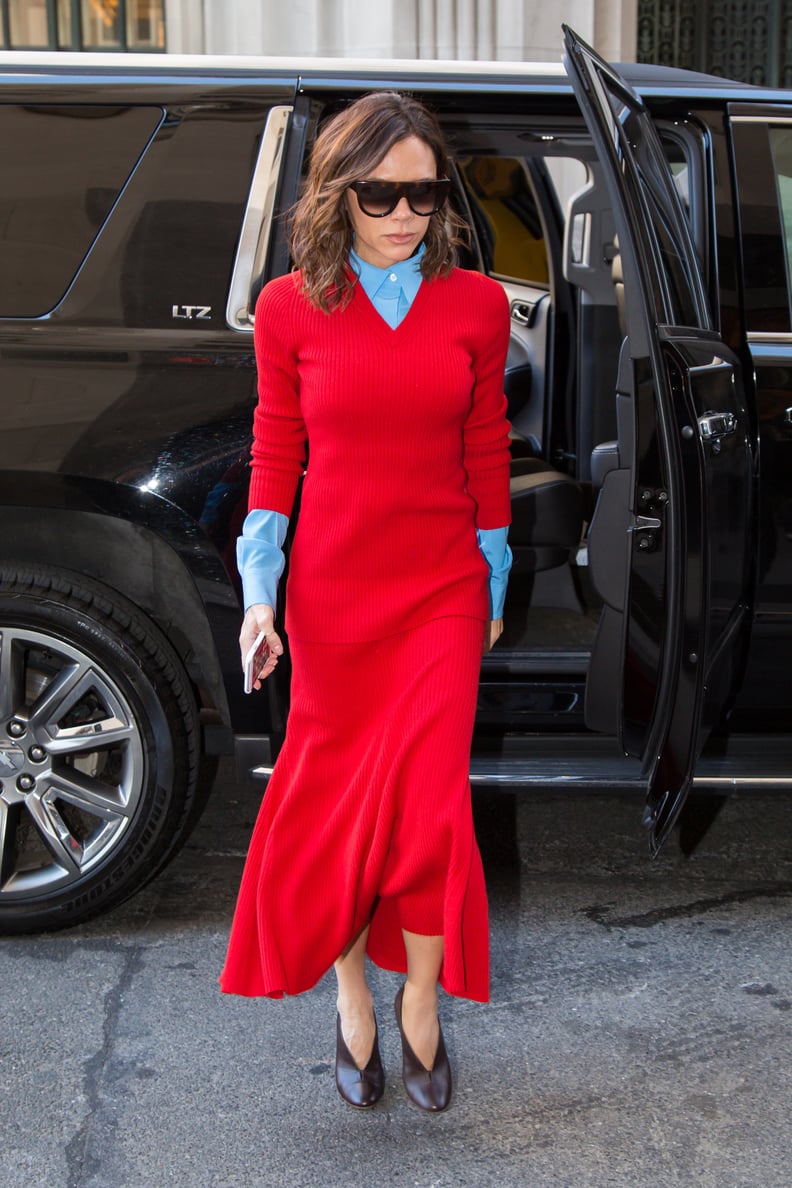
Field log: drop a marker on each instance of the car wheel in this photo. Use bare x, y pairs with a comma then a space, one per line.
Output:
99, 752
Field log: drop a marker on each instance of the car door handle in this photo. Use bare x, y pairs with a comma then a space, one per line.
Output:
522, 313
713, 425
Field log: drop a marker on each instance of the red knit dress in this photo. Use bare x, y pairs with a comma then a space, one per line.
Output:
367, 815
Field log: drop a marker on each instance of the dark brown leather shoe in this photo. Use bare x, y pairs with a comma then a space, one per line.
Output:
359, 1087
429, 1088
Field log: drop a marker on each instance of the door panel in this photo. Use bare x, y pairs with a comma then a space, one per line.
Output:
689, 560
526, 369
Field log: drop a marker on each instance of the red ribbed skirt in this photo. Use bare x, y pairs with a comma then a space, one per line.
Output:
367, 817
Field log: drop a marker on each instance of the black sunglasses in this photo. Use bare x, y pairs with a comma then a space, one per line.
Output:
379, 198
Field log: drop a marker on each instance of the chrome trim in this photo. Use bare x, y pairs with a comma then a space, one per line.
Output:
575, 777
258, 64
706, 781
767, 118
713, 425
521, 313
706, 368
645, 524
763, 336
254, 236
587, 762
575, 781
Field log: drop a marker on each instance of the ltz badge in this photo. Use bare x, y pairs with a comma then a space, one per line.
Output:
191, 311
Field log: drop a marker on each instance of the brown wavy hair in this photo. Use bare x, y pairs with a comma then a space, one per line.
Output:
347, 149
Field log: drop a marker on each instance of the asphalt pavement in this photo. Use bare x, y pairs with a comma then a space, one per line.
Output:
639, 1031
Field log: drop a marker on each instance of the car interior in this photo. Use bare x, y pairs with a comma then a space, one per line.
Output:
542, 226
534, 195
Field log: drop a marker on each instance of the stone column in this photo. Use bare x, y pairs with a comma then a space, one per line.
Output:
248, 27
184, 27
509, 30
532, 32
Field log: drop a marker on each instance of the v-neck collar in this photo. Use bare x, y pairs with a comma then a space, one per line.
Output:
406, 272
364, 302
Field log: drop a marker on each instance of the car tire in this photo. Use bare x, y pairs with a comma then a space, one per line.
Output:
99, 749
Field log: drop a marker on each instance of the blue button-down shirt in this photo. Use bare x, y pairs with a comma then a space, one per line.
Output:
390, 290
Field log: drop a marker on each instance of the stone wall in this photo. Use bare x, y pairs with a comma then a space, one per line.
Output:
509, 30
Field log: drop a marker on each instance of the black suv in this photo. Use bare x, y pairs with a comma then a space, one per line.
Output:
640, 222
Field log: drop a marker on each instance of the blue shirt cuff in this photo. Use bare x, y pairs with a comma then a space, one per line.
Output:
260, 557
494, 546
261, 562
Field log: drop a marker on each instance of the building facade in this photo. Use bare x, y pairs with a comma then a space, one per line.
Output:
749, 40
453, 29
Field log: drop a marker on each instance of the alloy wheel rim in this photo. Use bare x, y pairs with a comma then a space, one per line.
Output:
72, 764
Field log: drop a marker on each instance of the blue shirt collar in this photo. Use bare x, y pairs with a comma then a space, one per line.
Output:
407, 272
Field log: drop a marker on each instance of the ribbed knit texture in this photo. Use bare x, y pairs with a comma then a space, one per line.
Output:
367, 815
368, 811
406, 427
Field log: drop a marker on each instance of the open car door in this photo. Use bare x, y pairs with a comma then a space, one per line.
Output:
670, 544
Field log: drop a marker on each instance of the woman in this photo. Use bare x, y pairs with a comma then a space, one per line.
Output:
389, 361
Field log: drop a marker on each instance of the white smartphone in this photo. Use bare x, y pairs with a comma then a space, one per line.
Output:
255, 660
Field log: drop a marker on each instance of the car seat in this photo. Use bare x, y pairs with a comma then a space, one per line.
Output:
547, 515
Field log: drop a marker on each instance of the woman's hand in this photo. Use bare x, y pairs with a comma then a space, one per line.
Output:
492, 634
260, 617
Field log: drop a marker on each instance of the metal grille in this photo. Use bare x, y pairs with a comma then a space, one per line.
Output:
749, 40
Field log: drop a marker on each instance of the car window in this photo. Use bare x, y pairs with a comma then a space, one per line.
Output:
781, 148
680, 171
63, 169
506, 218
677, 296
763, 156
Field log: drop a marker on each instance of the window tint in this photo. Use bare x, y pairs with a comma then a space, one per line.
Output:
678, 296
763, 161
506, 218
63, 168
685, 154
680, 170
781, 148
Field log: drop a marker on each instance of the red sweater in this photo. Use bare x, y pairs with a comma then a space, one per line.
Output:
409, 452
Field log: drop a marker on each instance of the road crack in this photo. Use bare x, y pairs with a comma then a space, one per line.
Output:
598, 913
79, 1161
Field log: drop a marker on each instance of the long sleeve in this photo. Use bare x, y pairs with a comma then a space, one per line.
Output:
389, 510
260, 557
486, 431
279, 434
494, 546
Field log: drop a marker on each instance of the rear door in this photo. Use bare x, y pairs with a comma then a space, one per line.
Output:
676, 514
